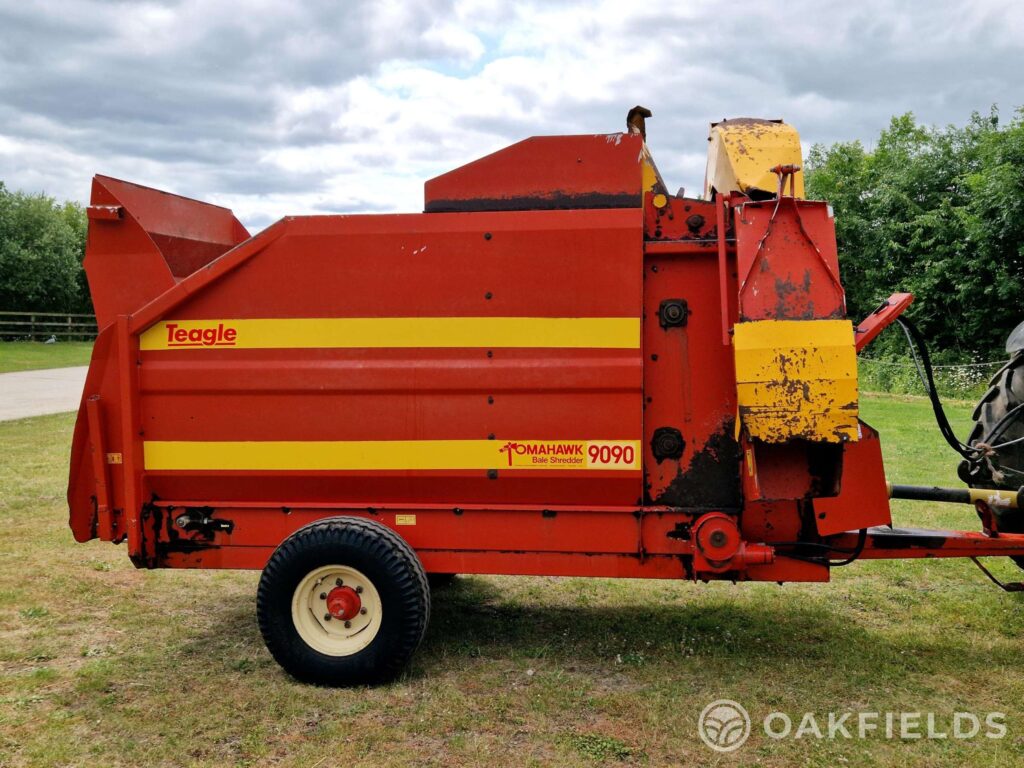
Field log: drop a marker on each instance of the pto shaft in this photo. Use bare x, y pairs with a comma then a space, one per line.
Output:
994, 498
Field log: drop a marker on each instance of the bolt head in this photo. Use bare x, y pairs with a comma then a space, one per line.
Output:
348, 624
339, 582
359, 590
362, 611
327, 617
323, 595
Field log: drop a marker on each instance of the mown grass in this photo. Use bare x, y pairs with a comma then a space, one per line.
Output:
101, 664
33, 355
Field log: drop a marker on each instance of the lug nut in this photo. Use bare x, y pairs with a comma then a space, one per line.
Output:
323, 595
359, 590
339, 582
348, 624
362, 611
327, 617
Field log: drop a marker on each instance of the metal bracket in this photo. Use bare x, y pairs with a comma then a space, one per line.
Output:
878, 320
105, 522
200, 521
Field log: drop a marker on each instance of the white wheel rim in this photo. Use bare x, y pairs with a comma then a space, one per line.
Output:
331, 636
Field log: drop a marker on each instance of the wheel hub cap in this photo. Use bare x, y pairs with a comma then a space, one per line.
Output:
336, 610
343, 603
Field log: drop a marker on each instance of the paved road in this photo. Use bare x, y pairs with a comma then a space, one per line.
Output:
35, 393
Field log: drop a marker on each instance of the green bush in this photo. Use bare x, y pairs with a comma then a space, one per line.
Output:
42, 243
938, 212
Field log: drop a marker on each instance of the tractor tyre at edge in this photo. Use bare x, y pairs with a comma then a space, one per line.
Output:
1004, 468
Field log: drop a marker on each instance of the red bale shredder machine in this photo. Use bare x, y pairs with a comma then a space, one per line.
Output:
558, 368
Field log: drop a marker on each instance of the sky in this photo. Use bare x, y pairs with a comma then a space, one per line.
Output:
288, 107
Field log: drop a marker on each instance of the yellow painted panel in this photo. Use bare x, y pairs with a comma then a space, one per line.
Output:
742, 152
797, 379
366, 332
325, 455
649, 177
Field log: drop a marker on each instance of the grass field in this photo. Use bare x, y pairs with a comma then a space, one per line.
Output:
101, 664
32, 355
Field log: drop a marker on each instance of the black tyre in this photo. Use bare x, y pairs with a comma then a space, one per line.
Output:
343, 601
995, 422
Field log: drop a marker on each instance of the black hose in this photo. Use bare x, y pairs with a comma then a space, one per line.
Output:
914, 335
854, 553
862, 539
972, 453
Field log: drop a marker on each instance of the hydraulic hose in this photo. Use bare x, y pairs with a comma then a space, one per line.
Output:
915, 339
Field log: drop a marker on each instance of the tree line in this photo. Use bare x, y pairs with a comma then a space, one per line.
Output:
935, 211
42, 243
938, 212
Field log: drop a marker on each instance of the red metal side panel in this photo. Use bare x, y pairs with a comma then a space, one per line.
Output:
82, 480
189, 233
787, 261
141, 240
863, 499
531, 265
689, 383
591, 171
123, 264
106, 451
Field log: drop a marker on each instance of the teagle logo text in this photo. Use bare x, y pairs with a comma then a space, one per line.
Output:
218, 336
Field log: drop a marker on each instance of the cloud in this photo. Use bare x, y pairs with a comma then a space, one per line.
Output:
282, 108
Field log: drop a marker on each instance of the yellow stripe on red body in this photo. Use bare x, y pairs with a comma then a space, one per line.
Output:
341, 455
395, 332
